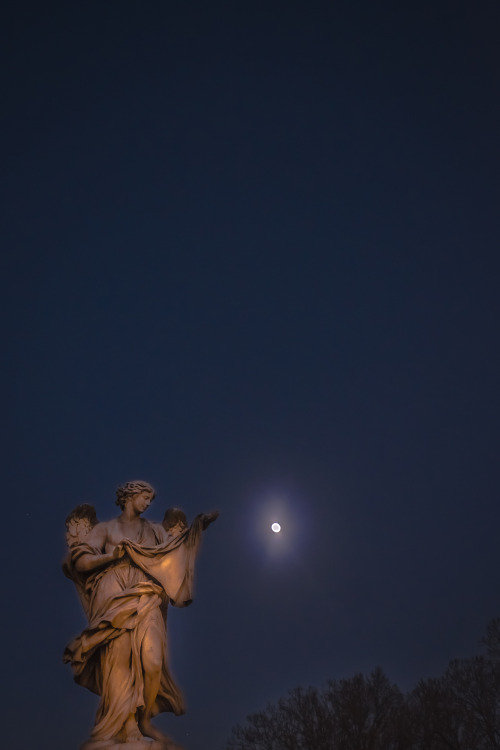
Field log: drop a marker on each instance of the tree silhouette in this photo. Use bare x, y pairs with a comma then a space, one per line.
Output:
459, 710
366, 712
357, 713
301, 721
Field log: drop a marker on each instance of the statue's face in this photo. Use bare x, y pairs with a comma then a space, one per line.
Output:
76, 530
141, 501
177, 529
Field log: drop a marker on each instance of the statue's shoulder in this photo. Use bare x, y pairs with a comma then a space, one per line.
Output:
107, 528
158, 531
101, 533
151, 524
110, 523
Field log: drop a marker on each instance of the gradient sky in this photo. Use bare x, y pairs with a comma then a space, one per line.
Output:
251, 255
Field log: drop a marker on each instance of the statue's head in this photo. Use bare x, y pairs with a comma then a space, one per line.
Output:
130, 489
174, 517
79, 522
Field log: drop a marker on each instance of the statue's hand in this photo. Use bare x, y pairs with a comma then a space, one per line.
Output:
118, 552
208, 518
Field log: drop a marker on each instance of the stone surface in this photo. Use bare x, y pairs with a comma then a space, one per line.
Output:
144, 744
126, 572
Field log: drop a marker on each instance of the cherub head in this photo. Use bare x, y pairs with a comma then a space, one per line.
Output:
79, 522
174, 521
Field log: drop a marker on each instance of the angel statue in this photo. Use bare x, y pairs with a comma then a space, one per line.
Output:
126, 571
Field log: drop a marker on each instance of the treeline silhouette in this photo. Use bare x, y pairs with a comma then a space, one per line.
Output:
458, 711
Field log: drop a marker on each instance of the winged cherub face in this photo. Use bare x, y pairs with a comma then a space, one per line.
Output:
76, 530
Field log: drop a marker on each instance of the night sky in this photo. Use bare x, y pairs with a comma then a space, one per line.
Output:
251, 255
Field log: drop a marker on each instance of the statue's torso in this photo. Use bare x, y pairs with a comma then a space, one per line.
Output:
142, 532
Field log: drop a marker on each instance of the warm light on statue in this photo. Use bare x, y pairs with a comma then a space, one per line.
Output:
126, 572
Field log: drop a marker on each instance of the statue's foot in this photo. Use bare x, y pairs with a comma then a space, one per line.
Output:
149, 730
133, 736
130, 731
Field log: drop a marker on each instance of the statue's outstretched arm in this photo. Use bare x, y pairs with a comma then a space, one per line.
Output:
175, 523
208, 518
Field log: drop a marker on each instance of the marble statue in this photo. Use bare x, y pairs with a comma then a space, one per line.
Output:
126, 571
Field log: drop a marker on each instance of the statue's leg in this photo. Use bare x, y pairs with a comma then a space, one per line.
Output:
152, 656
116, 717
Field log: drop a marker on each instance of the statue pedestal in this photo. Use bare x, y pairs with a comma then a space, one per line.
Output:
144, 744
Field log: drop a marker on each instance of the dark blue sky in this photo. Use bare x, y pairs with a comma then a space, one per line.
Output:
251, 255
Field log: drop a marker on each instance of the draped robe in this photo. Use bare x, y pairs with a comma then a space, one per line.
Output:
123, 601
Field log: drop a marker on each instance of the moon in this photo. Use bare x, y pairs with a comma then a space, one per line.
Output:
276, 527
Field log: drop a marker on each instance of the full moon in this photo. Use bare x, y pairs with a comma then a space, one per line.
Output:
276, 527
